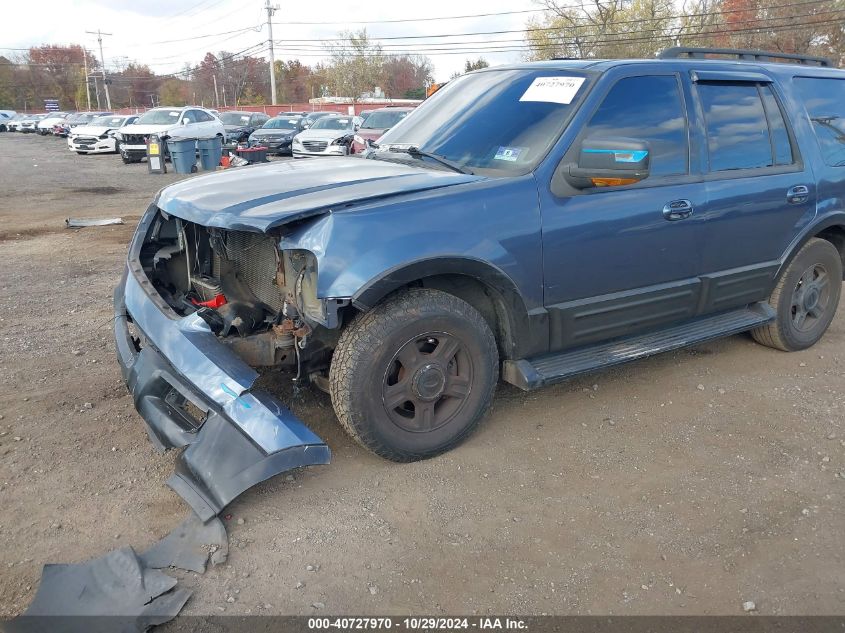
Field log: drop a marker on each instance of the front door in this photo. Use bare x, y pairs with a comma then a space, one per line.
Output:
618, 260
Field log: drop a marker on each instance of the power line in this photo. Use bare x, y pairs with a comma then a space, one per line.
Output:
553, 28
187, 39
451, 17
621, 36
623, 39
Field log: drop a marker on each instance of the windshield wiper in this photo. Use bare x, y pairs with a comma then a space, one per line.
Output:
416, 152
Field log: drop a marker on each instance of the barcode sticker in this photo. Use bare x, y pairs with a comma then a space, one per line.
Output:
553, 89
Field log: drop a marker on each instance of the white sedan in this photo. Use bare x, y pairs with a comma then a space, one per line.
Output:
98, 136
329, 136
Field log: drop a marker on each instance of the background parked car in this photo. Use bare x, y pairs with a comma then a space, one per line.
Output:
63, 128
184, 122
30, 123
329, 136
13, 123
310, 117
379, 122
98, 137
5, 117
45, 125
239, 125
277, 134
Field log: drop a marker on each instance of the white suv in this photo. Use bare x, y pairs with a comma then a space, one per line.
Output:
176, 123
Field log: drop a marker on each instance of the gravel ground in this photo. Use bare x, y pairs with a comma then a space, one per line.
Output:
688, 483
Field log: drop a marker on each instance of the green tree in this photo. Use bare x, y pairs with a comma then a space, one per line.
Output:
356, 64
478, 64
173, 92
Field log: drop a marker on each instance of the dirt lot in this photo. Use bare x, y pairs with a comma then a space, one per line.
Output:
683, 484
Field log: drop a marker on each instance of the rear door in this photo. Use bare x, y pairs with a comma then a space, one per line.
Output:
759, 189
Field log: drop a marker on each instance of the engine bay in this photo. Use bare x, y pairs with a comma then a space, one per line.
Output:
238, 282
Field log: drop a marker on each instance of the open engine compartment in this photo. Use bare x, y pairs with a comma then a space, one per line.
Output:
236, 281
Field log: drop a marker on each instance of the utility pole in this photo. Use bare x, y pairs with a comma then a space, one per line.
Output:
270, 11
216, 96
87, 82
99, 35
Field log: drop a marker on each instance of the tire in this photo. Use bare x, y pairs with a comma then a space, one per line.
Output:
429, 351
805, 298
117, 147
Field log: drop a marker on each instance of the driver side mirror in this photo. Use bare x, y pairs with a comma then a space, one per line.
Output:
185, 121
609, 162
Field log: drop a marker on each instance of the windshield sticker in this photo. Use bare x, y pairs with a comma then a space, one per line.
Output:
508, 153
173, 113
553, 89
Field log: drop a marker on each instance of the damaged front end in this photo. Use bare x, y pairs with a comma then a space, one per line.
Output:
197, 310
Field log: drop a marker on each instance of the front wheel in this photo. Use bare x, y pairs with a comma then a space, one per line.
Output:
414, 376
805, 298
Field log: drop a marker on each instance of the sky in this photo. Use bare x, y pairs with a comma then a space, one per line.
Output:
134, 24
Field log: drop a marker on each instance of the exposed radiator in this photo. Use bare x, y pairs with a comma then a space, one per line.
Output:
254, 258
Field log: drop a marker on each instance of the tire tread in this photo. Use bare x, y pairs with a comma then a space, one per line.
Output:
366, 332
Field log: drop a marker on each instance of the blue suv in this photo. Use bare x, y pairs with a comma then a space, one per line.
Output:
529, 222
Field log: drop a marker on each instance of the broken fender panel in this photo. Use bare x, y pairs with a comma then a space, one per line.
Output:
235, 438
115, 592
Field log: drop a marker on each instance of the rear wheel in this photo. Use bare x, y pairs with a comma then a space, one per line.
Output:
414, 376
805, 298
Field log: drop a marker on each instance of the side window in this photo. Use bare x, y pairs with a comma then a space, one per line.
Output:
203, 117
648, 109
824, 100
191, 115
781, 146
742, 132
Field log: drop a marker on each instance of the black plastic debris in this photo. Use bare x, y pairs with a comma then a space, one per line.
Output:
191, 546
115, 593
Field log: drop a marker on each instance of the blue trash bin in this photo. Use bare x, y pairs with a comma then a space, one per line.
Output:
211, 151
183, 155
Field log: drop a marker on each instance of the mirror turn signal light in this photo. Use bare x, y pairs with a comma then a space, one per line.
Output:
613, 182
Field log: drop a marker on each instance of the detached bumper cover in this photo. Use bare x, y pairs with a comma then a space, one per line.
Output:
243, 438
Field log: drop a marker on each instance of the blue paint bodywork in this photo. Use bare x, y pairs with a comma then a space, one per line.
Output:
570, 267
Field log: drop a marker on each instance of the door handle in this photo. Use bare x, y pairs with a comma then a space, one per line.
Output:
798, 194
677, 210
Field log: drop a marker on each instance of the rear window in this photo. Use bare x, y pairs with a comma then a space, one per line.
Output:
824, 100
742, 132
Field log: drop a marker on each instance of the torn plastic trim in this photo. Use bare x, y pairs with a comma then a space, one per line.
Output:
245, 437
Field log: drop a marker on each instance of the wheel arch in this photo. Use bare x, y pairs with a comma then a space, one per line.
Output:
485, 287
831, 229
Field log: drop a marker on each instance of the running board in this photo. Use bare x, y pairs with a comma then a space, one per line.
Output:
536, 372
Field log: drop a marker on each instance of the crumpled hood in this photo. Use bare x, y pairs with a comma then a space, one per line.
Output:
258, 198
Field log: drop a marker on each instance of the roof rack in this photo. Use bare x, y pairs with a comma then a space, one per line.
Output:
743, 55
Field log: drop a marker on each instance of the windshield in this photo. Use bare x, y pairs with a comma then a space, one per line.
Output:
159, 117
234, 118
383, 120
332, 123
108, 121
281, 124
505, 120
